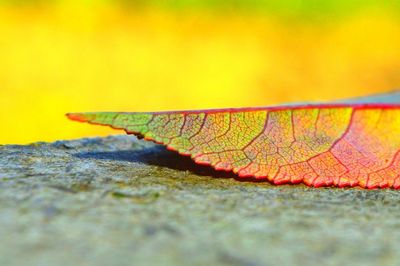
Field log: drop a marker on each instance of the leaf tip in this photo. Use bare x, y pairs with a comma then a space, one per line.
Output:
80, 117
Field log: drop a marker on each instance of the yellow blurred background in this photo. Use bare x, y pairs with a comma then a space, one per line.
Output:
69, 56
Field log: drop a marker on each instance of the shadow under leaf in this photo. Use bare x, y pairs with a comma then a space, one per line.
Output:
160, 156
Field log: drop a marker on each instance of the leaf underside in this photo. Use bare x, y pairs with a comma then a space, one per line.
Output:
348, 143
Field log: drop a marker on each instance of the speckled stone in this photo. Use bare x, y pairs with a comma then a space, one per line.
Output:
120, 201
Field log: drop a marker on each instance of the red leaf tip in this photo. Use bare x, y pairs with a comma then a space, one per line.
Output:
77, 117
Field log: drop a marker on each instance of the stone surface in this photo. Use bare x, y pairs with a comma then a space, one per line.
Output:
120, 201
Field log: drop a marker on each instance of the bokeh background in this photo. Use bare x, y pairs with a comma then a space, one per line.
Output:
74, 55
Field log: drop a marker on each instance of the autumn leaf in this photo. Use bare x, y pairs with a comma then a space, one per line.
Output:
347, 143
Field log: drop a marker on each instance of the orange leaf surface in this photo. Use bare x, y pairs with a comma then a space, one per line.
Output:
348, 143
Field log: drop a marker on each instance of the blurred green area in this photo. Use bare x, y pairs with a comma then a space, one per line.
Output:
286, 8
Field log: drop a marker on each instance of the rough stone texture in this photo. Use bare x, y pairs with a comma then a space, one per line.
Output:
120, 201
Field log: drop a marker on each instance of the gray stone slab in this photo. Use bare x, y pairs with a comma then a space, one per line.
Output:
120, 201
